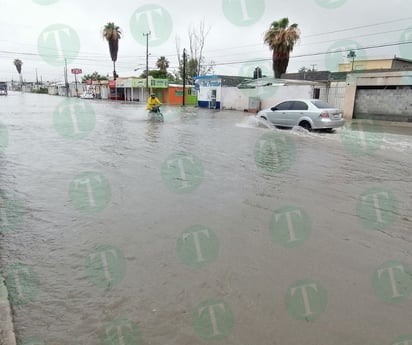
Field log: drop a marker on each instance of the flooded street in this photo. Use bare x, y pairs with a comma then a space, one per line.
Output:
207, 227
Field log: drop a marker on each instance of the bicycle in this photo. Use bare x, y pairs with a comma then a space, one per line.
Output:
156, 114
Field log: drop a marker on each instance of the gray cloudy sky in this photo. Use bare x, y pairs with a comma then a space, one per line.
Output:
42, 32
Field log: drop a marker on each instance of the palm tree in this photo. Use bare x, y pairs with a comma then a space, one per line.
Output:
112, 34
162, 64
18, 63
281, 39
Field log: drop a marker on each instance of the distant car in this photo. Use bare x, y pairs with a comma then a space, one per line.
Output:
87, 95
3, 92
307, 113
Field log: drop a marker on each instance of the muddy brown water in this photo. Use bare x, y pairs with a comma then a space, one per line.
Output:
207, 228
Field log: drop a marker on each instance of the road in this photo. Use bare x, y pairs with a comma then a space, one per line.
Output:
207, 227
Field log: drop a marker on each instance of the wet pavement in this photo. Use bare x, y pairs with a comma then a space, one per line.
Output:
209, 227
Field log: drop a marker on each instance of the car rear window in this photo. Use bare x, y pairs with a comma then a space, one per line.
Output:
321, 105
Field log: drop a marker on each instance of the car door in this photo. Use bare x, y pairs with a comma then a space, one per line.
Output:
297, 110
279, 113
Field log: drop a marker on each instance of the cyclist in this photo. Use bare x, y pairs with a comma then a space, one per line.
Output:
153, 103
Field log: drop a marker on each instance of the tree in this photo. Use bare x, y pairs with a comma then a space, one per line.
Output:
162, 64
93, 76
112, 34
195, 61
281, 39
18, 63
305, 69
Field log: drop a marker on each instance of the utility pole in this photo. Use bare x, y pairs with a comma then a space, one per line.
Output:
65, 78
37, 80
184, 76
147, 59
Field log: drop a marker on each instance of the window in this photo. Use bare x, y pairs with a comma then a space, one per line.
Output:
321, 105
299, 106
283, 106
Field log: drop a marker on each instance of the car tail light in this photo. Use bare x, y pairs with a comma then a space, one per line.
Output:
324, 114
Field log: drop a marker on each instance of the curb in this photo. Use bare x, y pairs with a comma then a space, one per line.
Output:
7, 336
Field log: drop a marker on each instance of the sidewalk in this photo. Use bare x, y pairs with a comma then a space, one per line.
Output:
7, 336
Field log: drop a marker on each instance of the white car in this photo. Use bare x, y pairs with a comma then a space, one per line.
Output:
307, 113
87, 95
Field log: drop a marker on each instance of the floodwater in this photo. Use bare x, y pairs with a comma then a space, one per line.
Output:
208, 228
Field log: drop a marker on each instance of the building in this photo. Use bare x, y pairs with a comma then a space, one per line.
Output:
209, 89
395, 63
174, 95
134, 89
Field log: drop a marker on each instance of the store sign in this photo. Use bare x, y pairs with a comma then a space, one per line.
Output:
159, 83
138, 82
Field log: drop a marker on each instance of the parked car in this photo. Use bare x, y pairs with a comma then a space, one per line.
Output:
307, 113
3, 92
87, 95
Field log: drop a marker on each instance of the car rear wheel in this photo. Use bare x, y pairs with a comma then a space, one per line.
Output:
306, 125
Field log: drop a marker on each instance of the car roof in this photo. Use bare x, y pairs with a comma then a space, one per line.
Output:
302, 100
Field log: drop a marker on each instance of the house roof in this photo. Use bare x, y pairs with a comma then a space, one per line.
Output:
227, 80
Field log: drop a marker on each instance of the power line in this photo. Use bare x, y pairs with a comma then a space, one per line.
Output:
320, 53
360, 27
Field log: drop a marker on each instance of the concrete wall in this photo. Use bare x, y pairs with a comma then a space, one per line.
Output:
385, 104
238, 99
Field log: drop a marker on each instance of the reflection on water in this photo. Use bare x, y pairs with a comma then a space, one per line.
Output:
209, 226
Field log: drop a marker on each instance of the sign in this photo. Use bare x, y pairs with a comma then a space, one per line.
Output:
76, 71
159, 83
138, 82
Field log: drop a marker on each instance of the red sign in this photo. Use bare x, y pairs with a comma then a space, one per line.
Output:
76, 71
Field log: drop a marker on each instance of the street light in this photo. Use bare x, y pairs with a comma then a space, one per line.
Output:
352, 55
